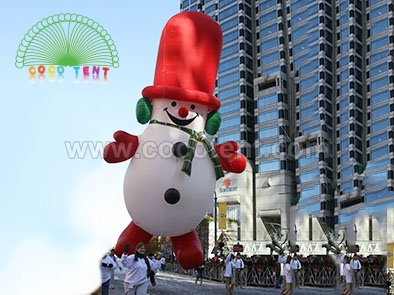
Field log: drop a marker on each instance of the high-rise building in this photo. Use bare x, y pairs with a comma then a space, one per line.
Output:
307, 89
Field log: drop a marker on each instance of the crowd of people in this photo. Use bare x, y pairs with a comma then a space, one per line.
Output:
286, 270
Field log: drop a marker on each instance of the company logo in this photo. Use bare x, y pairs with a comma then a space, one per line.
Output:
226, 186
67, 40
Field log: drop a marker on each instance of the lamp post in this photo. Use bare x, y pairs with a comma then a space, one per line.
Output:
215, 199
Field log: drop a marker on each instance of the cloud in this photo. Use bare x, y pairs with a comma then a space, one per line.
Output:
98, 214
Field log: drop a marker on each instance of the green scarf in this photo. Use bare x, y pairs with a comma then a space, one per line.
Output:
191, 149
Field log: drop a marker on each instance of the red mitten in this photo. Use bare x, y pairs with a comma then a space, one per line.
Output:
122, 149
231, 160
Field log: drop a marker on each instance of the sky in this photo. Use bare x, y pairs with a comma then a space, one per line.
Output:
62, 204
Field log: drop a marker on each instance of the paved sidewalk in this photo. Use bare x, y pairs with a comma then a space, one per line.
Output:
178, 284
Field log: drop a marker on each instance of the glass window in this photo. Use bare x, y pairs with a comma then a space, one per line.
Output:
378, 11
377, 112
230, 122
378, 139
309, 96
229, 79
308, 82
267, 100
379, 26
228, 64
345, 33
268, 166
270, 43
265, 31
377, 164
344, 75
344, 130
267, 4
269, 149
223, 3
310, 192
376, 84
343, 62
268, 116
344, 157
229, 24
379, 43
382, 124
309, 67
231, 11
229, 136
378, 57
308, 159
230, 50
310, 208
229, 37
344, 144
229, 107
309, 110
376, 195
347, 171
268, 132
376, 70
271, 70
228, 93
376, 153
344, 117
312, 175
266, 17
268, 58
348, 217
379, 97
304, 14
210, 9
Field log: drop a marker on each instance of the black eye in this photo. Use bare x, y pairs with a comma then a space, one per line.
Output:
173, 103
192, 107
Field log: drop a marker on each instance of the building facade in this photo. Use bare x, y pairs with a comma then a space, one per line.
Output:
307, 89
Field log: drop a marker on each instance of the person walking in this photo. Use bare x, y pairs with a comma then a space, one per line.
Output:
112, 270
295, 266
229, 273
347, 272
287, 273
136, 280
200, 274
239, 268
107, 264
355, 265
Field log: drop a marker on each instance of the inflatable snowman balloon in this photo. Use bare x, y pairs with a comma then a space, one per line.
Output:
169, 184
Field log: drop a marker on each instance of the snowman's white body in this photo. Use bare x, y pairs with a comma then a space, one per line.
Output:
154, 169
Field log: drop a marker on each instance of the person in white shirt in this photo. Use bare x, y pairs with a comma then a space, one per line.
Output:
347, 272
288, 277
355, 265
239, 268
295, 266
112, 271
136, 280
282, 260
107, 264
155, 266
229, 273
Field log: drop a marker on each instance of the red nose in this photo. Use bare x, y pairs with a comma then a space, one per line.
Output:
183, 112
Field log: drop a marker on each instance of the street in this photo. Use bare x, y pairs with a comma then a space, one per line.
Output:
178, 284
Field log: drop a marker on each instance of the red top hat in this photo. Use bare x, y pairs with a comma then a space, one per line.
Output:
188, 59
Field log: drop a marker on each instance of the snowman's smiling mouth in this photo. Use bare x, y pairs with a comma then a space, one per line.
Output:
179, 121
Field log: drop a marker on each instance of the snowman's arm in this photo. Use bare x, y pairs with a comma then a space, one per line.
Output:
122, 149
230, 159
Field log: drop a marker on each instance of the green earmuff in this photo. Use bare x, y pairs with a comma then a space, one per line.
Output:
213, 122
143, 111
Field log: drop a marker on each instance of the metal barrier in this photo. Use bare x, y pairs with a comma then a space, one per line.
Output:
323, 277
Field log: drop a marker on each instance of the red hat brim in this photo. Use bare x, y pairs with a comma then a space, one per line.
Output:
176, 93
